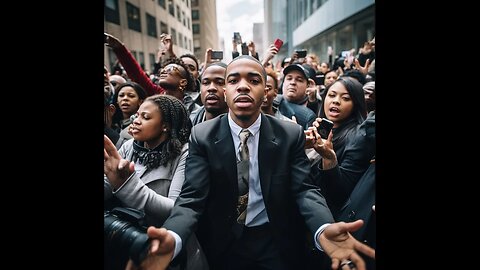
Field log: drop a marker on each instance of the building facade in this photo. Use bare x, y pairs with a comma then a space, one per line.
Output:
204, 26
258, 39
315, 25
139, 24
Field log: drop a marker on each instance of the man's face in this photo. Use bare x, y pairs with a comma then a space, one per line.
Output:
212, 90
192, 66
294, 86
245, 89
271, 93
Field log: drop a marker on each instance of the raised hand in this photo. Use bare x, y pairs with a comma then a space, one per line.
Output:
341, 246
363, 69
271, 52
112, 41
166, 44
115, 167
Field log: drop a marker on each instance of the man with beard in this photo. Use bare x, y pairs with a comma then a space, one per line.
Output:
212, 93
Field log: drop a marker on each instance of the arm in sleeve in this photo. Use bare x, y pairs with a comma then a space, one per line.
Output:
179, 175
311, 203
135, 72
190, 204
340, 181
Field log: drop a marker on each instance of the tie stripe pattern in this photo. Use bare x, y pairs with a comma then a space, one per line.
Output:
242, 170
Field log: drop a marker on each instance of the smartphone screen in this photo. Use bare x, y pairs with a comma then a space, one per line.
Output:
324, 128
301, 53
217, 55
278, 43
237, 38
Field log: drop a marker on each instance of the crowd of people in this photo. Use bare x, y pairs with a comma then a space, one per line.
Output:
174, 149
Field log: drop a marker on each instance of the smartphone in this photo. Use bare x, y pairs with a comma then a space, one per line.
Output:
244, 48
217, 55
301, 53
278, 43
324, 128
237, 38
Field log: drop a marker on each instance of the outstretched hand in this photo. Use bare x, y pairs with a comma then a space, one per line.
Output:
112, 41
341, 246
115, 167
161, 251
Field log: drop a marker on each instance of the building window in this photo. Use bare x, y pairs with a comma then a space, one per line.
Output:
196, 43
112, 59
162, 3
171, 8
180, 39
179, 15
196, 28
194, 3
111, 11
151, 56
151, 26
133, 14
141, 60
173, 33
185, 42
184, 21
163, 28
188, 2
134, 53
191, 45
188, 23
195, 15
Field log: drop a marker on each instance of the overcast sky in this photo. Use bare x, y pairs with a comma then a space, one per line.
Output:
237, 16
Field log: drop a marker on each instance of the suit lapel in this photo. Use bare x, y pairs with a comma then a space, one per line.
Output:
266, 153
226, 152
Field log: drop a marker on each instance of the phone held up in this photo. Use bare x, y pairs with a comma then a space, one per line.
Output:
244, 48
324, 128
237, 38
301, 53
278, 43
217, 55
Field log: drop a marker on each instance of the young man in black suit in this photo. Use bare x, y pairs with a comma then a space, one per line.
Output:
280, 203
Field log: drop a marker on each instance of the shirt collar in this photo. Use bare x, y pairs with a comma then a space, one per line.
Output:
236, 129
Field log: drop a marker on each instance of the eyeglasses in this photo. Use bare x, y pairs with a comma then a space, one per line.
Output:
171, 68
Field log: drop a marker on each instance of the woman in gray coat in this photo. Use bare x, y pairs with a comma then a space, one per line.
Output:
157, 155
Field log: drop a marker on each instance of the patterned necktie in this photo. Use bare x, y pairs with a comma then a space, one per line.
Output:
242, 170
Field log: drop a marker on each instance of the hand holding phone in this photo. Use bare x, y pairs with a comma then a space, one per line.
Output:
301, 53
278, 43
324, 128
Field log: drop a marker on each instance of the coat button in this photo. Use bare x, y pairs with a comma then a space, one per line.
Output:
351, 215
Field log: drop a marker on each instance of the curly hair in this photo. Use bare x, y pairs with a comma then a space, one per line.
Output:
189, 77
175, 115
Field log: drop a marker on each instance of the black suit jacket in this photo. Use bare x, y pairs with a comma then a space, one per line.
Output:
209, 195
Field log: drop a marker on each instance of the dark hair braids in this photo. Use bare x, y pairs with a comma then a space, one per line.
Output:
175, 116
